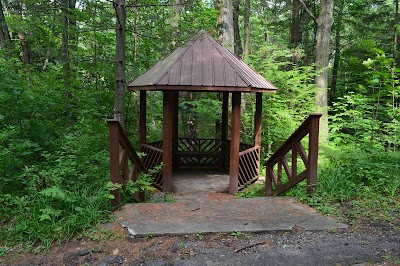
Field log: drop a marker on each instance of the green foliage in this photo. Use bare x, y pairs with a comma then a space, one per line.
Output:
294, 99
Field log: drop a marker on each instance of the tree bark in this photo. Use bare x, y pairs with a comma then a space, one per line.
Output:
65, 42
5, 37
120, 9
332, 94
174, 20
396, 28
295, 25
324, 22
238, 50
246, 30
225, 24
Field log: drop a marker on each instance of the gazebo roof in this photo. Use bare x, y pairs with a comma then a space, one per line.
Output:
202, 64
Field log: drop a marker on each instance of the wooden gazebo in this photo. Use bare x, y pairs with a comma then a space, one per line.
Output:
202, 65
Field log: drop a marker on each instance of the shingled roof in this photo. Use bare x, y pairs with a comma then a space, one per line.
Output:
202, 64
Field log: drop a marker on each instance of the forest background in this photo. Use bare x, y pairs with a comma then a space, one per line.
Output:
58, 85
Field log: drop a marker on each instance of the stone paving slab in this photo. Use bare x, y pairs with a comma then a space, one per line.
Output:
221, 213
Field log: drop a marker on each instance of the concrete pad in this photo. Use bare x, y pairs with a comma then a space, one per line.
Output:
220, 212
205, 180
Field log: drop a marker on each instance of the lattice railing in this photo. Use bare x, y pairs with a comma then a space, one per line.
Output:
282, 168
193, 152
152, 159
249, 164
124, 161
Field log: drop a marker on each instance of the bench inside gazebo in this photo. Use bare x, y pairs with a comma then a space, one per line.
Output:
203, 65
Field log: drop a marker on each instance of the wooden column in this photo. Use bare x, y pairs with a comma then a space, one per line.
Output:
258, 120
313, 154
235, 144
257, 127
224, 128
142, 117
168, 114
175, 128
224, 122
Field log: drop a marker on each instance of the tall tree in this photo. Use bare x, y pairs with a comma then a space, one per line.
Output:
324, 26
295, 24
246, 30
396, 29
174, 20
335, 69
225, 24
65, 42
238, 50
5, 37
120, 39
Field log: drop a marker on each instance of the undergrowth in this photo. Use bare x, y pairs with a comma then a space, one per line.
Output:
352, 183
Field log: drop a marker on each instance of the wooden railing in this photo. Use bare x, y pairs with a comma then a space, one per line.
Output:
294, 149
193, 152
153, 158
125, 164
249, 164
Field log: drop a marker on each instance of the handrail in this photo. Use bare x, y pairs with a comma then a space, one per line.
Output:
152, 148
309, 127
121, 150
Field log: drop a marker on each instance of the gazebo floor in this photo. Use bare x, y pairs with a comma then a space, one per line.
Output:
189, 181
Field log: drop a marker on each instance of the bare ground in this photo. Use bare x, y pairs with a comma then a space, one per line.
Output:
366, 243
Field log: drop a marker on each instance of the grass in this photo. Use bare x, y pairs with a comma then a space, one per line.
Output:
353, 183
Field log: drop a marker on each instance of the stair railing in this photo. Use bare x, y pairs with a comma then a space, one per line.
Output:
279, 161
125, 163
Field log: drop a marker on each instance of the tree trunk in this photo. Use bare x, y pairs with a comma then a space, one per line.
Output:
324, 22
238, 43
5, 37
225, 24
295, 25
174, 20
396, 28
246, 30
332, 94
120, 9
65, 42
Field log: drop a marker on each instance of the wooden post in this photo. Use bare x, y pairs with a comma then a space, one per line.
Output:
175, 129
235, 144
313, 155
224, 128
258, 120
257, 128
268, 181
168, 113
142, 118
115, 178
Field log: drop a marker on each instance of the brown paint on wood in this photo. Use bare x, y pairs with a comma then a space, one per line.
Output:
168, 111
313, 155
142, 117
175, 128
235, 143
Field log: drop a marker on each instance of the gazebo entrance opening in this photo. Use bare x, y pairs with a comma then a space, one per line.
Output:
189, 148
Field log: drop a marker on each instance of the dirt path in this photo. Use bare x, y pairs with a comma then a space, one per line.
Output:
372, 243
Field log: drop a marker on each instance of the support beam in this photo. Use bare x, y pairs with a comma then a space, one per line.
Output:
257, 120
235, 144
224, 122
257, 127
313, 155
175, 128
224, 129
114, 163
168, 113
142, 117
